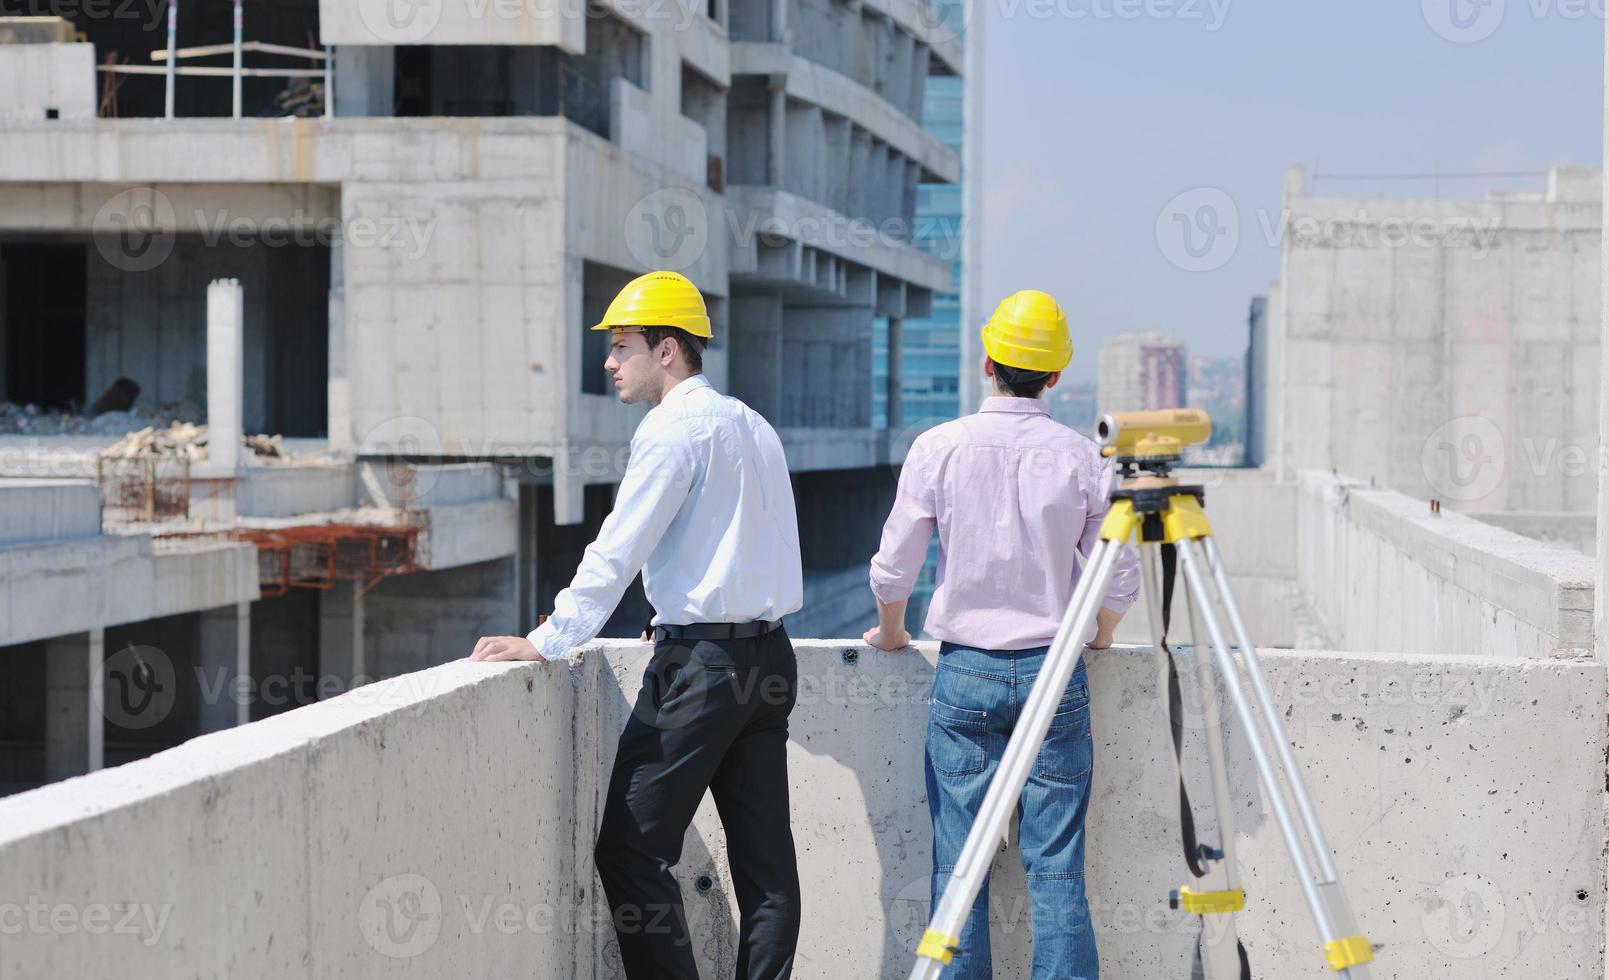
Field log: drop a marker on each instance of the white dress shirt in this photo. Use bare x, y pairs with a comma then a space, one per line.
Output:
705, 511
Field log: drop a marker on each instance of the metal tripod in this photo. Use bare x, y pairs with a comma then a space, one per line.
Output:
1167, 517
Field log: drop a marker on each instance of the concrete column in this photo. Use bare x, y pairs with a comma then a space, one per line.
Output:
1601, 591
779, 21
338, 424
4, 345
755, 367
527, 553
364, 82
973, 306
341, 662
74, 726
896, 372
777, 132
226, 329
224, 659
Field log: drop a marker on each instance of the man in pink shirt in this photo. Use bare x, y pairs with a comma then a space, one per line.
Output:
1013, 495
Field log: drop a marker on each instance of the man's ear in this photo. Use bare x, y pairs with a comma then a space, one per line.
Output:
988, 366
1055, 376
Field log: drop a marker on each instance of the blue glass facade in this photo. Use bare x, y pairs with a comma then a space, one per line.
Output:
930, 388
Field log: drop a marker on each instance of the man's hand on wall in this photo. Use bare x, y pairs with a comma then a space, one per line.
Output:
1105, 625
882, 641
505, 648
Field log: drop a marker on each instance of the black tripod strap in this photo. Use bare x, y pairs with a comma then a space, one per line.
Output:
1187, 820
1198, 972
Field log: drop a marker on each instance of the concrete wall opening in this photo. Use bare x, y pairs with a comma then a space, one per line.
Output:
480, 80
748, 130
841, 515
750, 20
704, 102
81, 313
42, 325
599, 284
23, 712
133, 31
551, 551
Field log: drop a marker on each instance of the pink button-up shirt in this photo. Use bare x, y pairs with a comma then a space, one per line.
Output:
1013, 494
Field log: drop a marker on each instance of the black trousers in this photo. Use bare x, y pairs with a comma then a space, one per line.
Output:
713, 714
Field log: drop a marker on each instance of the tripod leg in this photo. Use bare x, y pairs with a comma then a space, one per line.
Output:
1220, 942
1330, 890
938, 943
1345, 949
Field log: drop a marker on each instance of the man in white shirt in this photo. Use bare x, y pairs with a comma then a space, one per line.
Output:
706, 512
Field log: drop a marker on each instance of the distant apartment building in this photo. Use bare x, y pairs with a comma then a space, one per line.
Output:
1142, 371
1256, 413
386, 246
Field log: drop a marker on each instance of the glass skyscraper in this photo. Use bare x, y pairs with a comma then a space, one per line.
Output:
931, 362
930, 383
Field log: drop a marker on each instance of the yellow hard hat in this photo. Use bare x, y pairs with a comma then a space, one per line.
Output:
659, 299
1028, 331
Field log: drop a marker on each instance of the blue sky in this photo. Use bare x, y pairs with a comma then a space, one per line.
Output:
1100, 112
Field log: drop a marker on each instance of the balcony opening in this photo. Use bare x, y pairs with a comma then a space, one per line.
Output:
560, 551
23, 718
42, 325
704, 102
477, 80
599, 284
750, 20
103, 335
131, 32
748, 130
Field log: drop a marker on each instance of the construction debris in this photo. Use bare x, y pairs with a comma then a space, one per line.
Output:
188, 442
35, 421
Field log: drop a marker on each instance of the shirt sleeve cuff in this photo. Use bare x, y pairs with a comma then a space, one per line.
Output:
546, 640
1120, 603
888, 592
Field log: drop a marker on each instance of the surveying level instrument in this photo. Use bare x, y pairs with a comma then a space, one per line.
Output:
1171, 528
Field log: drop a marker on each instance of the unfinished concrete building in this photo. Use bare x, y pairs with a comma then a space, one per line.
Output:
1440, 678
379, 232
1442, 347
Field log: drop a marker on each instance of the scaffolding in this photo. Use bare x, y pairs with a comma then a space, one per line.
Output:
320, 78
143, 489
316, 556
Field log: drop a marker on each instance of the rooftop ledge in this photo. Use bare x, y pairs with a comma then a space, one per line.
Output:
440, 823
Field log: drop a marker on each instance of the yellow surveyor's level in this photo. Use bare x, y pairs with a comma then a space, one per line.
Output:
1160, 433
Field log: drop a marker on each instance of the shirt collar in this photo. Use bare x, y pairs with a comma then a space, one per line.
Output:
1015, 406
685, 388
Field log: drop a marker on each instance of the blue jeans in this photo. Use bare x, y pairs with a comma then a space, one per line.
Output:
977, 698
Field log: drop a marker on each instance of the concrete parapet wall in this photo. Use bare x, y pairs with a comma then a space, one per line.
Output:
1384, 573
440, 823
48, 510
1570, 529
285, 491
1254, 522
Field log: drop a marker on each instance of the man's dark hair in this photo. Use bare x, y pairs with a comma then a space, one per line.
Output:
1021, 383
692, 346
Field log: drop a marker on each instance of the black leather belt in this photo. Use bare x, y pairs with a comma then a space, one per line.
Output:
716, 631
